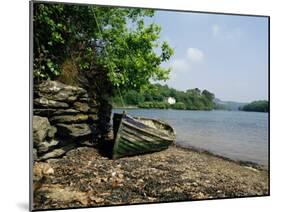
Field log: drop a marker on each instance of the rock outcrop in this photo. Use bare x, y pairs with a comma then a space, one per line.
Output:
62, 119
42, 130
43, 136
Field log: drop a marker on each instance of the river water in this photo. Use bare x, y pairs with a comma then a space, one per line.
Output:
234, 134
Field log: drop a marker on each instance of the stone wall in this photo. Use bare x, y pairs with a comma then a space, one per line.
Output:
62, 119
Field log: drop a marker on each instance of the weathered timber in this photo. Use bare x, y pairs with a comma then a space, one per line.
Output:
134, 136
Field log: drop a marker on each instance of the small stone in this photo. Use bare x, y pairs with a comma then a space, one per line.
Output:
84, 99
66, 112
49, 112
93, 117
58, 91
69, 118
46, 146
53, 160
83, 107
52, 131
87, 143
195, 184
105, 194
200, 195
74, 131
57, 152
120, 175
34, 154
48, 171
140, 181
97, 199
47, 103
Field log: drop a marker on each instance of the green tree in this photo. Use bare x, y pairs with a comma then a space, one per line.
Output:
258, 106
210, 96
179, 106
99, 36
133, 97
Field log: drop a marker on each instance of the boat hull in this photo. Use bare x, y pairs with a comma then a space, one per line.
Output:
134, 136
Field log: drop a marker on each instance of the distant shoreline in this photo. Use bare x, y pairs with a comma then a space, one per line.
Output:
136, 107
128, 107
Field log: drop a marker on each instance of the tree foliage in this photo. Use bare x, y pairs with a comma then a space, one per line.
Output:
257, 106
116, 39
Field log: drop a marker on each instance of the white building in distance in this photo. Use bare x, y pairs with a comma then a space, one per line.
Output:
171, 100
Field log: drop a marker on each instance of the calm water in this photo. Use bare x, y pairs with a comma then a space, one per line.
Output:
233, 134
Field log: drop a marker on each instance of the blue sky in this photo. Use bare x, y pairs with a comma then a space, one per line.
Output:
225, 54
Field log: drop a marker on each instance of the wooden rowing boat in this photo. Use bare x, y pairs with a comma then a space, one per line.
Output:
136, 135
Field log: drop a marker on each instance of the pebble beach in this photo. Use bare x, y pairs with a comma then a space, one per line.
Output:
85, 178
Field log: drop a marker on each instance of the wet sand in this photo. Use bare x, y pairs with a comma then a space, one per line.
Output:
84, 178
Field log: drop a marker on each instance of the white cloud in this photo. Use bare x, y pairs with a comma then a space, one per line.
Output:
226, 33
195, 55
216, 29
180, 65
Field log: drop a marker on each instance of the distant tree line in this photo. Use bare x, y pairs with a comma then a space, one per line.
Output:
228, 105
155, 95
257, 106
